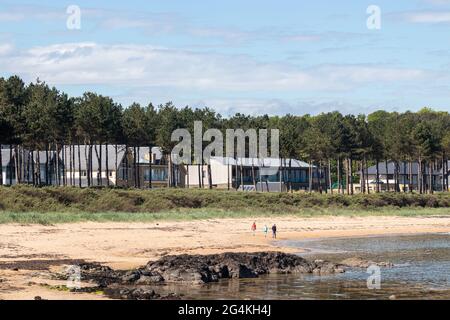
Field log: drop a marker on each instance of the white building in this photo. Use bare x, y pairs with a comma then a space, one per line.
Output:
250, 173
104, 163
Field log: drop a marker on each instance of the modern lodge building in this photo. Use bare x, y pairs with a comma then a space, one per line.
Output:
249, 174
408, 176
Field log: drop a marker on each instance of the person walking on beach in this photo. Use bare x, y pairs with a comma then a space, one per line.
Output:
265, 230
274, 231
254, 227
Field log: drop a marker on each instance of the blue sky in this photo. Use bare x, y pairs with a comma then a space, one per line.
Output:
248, 56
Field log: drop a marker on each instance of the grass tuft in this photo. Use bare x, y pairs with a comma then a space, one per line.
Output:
50, 205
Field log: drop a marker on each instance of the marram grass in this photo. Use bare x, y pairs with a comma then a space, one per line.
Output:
49, 205
50, 218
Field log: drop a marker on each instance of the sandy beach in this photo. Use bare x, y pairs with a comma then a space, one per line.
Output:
28, 253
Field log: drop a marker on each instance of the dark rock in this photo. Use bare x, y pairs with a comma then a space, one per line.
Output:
138, 294
357, 262
196, 269
150, 279
102, 275
325, 267
210, 268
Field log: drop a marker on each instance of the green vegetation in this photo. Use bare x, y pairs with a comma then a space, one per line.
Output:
49, 205
36, 117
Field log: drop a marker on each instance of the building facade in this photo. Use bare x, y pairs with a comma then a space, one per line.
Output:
408, 176
269, 174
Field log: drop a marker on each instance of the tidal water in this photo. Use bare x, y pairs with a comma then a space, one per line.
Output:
421, 271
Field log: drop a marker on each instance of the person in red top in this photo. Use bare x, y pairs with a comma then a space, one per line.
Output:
254, 227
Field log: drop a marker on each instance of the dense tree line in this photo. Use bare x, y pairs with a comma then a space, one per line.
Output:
340, 148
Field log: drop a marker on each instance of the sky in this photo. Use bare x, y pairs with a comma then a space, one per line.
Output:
253, 57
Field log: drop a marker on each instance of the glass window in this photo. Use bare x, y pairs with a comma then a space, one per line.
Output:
158, 174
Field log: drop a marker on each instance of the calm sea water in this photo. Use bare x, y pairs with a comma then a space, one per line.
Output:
422, 271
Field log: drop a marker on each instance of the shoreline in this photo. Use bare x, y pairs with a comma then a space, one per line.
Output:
39, 250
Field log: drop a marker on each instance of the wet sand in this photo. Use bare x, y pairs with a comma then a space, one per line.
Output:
29, 253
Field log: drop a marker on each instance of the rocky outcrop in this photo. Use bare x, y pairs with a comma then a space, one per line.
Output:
138, 294
357, 262
210, 268
197, 269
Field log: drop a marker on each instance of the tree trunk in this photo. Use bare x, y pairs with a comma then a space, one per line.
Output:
46, 165
281, 174
138, 174
33, 177
367, 175
1, 166
362, 181
126, 166
443, 172
347, 175
150, 159
209, 176
91, 163
404, 176
377, 179
330, 182
236, 185
310, 177
10, 169
39, 177
242, 175
56, 160
228, 175
338, 170
253, 175
88, 172
100, 158
410, 177
260, 178
396, 186
169, 167
199, 176
107, 164
386, 163
187, 177
16, 164
79, 165
351, 175
290, 175
70, 164
98, 173
419, 176
446, 174
430, 172
63, 154
319, 176
116, 165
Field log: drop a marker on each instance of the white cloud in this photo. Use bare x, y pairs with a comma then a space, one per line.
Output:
11, 16
143, 65
281, 107
438, 2
6, 49
428, 17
